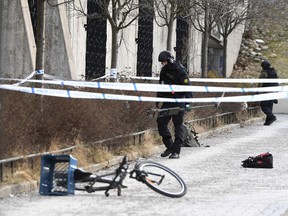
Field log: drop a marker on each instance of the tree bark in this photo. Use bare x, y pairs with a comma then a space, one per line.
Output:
114, 54
114, 48
225, 42
169, 36
205, 45
40, 38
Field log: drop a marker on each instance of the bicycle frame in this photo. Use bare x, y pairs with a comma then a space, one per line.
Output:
156, 176
119, 175
115, 182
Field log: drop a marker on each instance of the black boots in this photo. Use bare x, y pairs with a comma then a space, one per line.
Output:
172, 155
166, 153
270, 120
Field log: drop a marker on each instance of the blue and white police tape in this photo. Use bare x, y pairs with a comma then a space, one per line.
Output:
93, 95
25, 80
158, 87
137, 86
204, 80
221, 80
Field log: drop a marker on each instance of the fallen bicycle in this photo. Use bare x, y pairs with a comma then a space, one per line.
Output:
60, 176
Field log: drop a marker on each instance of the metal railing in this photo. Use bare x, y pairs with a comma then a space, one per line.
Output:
8, 166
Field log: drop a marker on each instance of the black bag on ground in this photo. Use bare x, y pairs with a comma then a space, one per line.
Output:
264, 160
190, 136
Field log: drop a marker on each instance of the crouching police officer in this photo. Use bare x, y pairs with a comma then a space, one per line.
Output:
172, 73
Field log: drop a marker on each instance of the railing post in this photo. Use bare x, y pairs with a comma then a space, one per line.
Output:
134, 139
32, 163
12, 167
2, 172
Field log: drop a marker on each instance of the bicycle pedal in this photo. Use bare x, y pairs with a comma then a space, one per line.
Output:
124, 186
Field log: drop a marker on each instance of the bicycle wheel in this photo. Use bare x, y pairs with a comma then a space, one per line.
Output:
161, 179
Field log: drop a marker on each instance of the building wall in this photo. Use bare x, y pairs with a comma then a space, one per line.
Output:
159, 45
233, 47
195, 52
66, 43
17, 44
76, 24
281, 107
127, 53
216, 61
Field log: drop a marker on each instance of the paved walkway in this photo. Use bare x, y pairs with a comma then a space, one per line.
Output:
217, 184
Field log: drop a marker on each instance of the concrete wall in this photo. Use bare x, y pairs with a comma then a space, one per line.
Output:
127, 58
281, 107
234, 43
17, 45
127, 53
66, 43
77, 34
195, 52
160, 44
216, 61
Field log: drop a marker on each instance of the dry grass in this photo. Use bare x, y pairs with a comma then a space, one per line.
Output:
24, 175
144, 148
59, 123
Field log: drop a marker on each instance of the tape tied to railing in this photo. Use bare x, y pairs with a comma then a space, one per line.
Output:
160, 87
93, 95
277, 92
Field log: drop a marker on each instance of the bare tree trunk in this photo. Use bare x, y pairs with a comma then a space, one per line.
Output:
114, 53
205, 45
169, 36
40, 38
225, 42
205, 55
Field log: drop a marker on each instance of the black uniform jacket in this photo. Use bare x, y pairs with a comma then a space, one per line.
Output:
174, 74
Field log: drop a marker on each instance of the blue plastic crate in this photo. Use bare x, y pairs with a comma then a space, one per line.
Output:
57, 174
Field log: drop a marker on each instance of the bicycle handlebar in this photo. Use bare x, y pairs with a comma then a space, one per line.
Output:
118, 172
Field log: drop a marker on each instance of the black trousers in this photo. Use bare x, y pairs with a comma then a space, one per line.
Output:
162, 123
267, 108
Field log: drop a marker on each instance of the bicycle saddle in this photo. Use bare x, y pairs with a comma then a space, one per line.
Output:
80, 174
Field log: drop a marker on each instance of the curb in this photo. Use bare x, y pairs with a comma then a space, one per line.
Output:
10, 190
230, 127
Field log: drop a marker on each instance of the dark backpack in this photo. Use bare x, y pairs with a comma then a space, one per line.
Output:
190, 136
180, 68
264, 160
271, 74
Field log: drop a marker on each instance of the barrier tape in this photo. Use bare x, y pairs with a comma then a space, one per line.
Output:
102, 77
159, 87
25, 80
221, 80
205, 80
92, 95
281, 91
40, 72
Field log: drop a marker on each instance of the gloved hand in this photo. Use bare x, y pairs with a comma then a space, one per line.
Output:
188, 107
157, 104
275, 101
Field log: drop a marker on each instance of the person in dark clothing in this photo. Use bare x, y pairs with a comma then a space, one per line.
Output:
267, 106
172, 73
